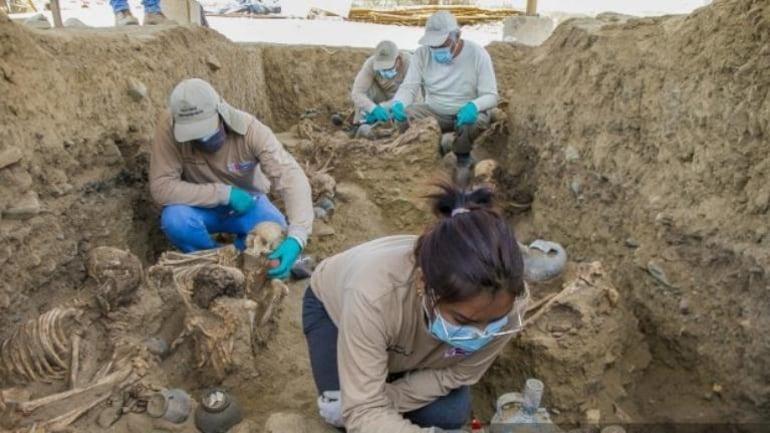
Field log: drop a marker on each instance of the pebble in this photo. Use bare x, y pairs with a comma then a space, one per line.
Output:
9, 156
632, 243
27, 207
593, 416
575, 187
326, 204
571, 154
657, 272
323, 230
213, 63
157, 346
5, 301
136, 89
684, 306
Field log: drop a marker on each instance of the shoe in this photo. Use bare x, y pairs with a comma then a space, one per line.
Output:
124, 18
156, 19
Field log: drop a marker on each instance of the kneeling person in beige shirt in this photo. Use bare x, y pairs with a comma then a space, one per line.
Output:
211, 167
399, 328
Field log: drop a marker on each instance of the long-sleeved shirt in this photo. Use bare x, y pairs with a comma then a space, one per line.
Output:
251, 158
470, 77
371, 295
368, 79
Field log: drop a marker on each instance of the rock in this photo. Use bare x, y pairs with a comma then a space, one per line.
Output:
613, 429
684, 306
593, 416
74, 22
717, 388
571, 154
108, 416
658, 273
27, 207
213, 63
157, 346
575, 187
38, 21
10, 156
664, 219
326, 204
136, 89
322, 229
632, 243
5, 301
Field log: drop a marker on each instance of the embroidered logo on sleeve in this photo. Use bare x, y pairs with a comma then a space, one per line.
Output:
240, 167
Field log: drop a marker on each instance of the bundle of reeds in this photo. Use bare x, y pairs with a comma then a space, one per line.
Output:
417, 15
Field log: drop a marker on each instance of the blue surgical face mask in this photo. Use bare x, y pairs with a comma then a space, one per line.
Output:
465, 337
443, 55
388, 74
213, 142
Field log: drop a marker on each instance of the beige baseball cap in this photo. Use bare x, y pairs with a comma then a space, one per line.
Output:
195, 108
385, 55
438, 28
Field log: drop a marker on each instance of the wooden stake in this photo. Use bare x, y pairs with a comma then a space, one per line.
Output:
531, 7
56, 11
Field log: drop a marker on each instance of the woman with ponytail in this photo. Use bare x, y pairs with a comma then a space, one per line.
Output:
399, 328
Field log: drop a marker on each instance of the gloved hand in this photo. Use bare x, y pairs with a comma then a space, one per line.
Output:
330, 408
398, 111
468, 114
287, 254
240, 201
378, 114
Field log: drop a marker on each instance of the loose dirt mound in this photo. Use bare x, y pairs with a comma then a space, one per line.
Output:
650, 154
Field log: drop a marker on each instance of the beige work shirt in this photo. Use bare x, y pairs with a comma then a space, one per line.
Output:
368, 82
370, 294
252, 158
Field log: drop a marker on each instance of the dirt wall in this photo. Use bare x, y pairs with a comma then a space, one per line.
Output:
651, 140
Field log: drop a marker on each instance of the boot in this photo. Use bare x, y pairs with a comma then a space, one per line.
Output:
124, 18
156, 19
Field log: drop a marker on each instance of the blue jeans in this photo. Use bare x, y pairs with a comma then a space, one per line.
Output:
448, 412
150, 6
189, 228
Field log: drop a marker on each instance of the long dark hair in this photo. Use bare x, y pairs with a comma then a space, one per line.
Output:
470, 250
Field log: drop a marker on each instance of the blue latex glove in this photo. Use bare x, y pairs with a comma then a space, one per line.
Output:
287, 254
240, 201
378, 114
468, 114
398, 111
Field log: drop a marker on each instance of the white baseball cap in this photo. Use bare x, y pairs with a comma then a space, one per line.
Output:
195, 108
385, 55
438, 27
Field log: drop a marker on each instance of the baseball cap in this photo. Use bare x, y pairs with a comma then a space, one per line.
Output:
438, 28
194, 106
385, 55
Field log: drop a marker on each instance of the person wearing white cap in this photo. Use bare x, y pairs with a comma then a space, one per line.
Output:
211, 167
377, 83
459, 84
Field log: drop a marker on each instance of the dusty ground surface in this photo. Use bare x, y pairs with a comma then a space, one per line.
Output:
640, 144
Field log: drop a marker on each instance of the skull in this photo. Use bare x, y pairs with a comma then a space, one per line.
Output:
484, 172
264, 238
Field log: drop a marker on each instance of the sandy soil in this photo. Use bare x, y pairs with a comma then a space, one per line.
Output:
637, 144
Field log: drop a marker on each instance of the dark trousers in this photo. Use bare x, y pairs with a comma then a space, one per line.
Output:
449, 412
